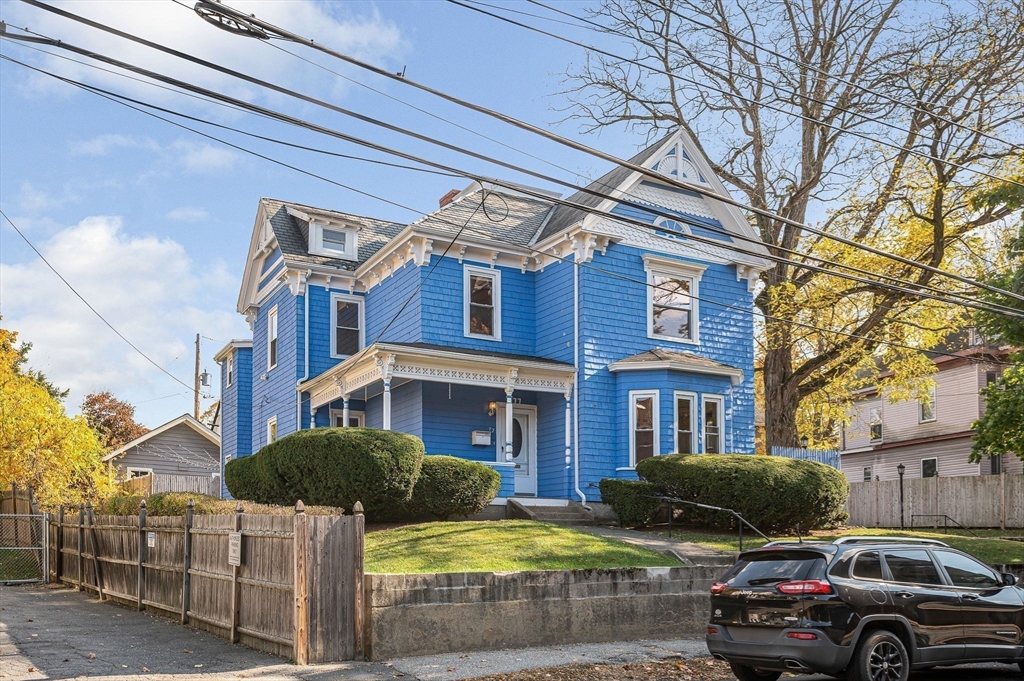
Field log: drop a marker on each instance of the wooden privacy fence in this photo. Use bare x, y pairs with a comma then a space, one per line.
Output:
291, 585
971, 500
155, 483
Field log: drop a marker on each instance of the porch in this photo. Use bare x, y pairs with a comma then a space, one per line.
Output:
510, 412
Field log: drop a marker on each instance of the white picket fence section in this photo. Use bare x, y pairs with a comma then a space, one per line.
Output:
829, 457
971, 500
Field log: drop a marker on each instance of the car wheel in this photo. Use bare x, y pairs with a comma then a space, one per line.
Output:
745, 673
880, 656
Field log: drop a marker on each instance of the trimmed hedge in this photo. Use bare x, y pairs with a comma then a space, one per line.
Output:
450, 486
333, 467
773, 493
632, 500
175, 503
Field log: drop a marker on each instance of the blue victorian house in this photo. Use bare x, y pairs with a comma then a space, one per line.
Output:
558, 346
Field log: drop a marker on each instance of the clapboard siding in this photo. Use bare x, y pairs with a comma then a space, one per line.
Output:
951, 454
180, 450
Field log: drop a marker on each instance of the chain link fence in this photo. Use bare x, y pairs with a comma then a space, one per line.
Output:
23, 542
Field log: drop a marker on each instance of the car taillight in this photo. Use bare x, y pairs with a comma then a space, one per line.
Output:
810, 587
802, 636
718, 587
712, 630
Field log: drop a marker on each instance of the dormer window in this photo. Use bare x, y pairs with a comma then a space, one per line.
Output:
334, 240
677, 164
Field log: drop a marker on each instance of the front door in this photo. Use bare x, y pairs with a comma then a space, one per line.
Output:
524, 446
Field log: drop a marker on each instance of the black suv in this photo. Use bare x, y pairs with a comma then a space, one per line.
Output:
869, 608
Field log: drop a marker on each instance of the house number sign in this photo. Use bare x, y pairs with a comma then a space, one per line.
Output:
234, 548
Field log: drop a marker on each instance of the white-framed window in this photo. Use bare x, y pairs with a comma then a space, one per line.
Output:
930, 468
875, 423
714, 427
334, 240
673, 227
356, 419
685, 418
482, 302
272, 338
134, 472
672, 299
926, 407
643, 425
229, 369
348, 325
271, 429
867, 473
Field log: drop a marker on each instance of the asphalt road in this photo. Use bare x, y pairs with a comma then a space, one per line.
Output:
56, 633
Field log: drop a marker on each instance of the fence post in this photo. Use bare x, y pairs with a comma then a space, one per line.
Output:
142, 554
46, 548
300, 553
60, 545
357, 558
81, 541
14, 501
186, 580
95, 551
236, 590
1002, 500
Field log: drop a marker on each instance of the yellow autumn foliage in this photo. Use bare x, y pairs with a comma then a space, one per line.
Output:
40, 445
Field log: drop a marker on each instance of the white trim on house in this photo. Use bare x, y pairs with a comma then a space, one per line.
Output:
186, 419
494, 274
272, 429
360, 301
692, 397
337, 414
931, 403
273, 336
655, 396
931, 458
674, 269
129, 470
705, 398
735, 375
230, 347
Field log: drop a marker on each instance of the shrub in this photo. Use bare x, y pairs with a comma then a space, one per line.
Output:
175, 504
450, 486
241, 476
772, 493
119, 504
632, 500
338, 467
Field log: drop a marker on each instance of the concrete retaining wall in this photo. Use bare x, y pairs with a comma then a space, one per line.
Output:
438, 613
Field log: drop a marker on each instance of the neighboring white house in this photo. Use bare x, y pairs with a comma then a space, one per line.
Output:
929, 437
176, 453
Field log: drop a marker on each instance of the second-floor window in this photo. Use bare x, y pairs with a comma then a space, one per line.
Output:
926, 407
230, 370
272, 339
875, 422
347, 324
482, 302
672, 295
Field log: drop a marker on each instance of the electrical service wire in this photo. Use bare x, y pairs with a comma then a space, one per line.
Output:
328, 131
621, 277
510, 120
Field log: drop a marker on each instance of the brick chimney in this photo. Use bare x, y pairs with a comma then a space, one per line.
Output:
448, 198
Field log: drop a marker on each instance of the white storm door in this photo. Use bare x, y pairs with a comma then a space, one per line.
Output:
524, 446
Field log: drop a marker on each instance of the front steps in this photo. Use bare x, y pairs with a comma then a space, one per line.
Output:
560, 513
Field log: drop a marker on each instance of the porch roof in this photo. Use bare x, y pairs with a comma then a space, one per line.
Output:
676, 360
426, 362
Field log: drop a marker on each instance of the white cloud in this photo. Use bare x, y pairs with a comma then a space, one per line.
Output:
148, 288
187, 214
204, 158
101, 145
33, 200
366, 35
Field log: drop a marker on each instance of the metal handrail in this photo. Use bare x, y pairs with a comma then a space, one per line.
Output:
671, 501
945, 522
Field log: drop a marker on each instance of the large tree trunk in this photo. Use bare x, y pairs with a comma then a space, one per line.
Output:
781, 396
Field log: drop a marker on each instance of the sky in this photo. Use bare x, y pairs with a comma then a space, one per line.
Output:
151, 223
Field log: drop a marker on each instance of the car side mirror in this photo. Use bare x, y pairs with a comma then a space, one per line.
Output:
1008, 579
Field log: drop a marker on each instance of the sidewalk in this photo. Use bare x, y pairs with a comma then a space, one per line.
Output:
57, 633
688, 552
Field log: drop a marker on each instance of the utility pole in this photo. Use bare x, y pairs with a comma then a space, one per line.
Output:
196, 409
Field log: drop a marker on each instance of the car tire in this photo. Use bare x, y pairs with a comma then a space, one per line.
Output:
745, 673
880, 651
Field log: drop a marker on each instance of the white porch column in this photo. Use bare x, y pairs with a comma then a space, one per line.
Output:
386, 362
508, 423
344, 412
568, 428
387, 404
312, 417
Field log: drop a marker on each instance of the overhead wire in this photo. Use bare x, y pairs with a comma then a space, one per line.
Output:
704, 191
531, 248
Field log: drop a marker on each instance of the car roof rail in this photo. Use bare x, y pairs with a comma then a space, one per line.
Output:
889, 540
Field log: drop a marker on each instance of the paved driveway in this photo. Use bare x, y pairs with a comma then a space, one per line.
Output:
57, 633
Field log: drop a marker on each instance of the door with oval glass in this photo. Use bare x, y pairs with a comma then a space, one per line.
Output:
524, 446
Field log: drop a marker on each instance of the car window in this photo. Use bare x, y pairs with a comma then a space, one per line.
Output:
763, 571
868, 566
912, 567
965, 571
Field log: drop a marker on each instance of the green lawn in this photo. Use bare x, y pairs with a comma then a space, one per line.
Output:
498, 546
988, 548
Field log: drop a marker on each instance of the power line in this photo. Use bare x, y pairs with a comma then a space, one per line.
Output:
742, 310
89, 305
328, 131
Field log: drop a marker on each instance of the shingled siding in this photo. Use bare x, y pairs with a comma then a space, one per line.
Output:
552, 473
443, 316
385, 300
236, 410
276, 395
613, 325
554, 309
449, 419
